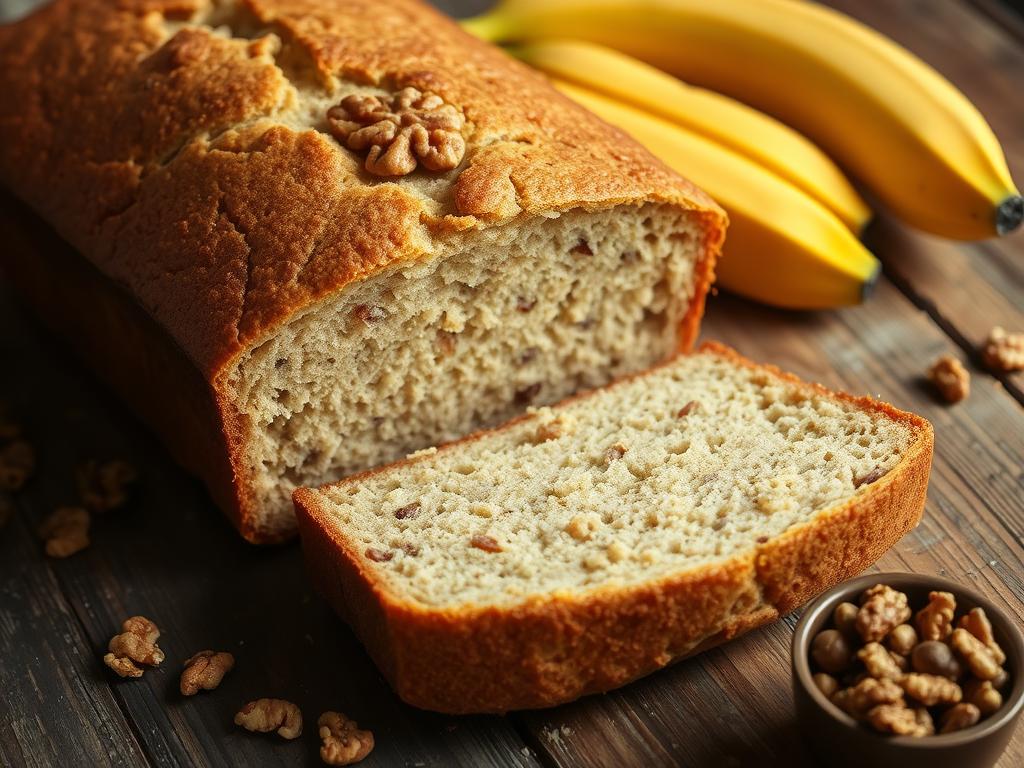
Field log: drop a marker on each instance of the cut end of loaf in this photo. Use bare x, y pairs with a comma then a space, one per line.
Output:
694, 463
423, 353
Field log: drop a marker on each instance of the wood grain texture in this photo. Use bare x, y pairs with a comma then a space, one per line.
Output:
170, 555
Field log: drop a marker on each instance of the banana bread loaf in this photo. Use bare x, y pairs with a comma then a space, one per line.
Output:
315, 235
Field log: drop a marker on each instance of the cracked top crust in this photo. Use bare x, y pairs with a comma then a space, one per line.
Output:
183, 147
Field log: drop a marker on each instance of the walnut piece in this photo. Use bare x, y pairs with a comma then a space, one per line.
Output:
866, 694
882, 609
103, 487
486, 543
935, 620
959, 717
615, 452
398, 132
900, 720
379, 555
950, 378
687, 409
204, 671
17, 460
878, 663
983, 695
265, 715
976, 622
344, 743
65, 532
134, 646
408, 512
979, 657
1004, 351
931, 690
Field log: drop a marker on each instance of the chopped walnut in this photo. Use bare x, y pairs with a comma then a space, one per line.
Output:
878, 662
409, 128
959, 717
527, 394
410, 549
1004, 351
979, 657
582, 248
931, 689
486, 543
552, 427
687, 409
17, 460
883, 609
134, 646
935, 620
900, 720
524, 304
103, 487
344, 743
65, 532
583, 525
204, 671
379, 555
950, 378
615, 452
368, 314
408, 512
875, 474
265, 715
984, 695
867, 693
976, 622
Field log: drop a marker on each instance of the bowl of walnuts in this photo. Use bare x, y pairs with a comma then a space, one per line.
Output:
900, 669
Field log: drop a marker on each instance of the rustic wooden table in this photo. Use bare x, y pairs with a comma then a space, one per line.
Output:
171, 556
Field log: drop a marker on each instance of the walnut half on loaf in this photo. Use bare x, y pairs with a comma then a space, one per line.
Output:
309, 239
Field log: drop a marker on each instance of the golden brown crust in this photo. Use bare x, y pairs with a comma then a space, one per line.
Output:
187, 176
554, 649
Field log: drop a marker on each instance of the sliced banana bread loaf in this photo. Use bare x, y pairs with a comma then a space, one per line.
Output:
578, 547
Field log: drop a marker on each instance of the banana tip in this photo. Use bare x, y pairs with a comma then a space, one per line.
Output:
1009, 214
868, 286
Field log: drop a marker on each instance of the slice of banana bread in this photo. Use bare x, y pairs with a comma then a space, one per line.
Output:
576, 548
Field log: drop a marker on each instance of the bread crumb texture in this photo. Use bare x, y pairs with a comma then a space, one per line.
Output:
617, 488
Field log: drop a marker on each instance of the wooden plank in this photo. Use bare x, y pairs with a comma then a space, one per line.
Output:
172, 556
733, 706
967, 287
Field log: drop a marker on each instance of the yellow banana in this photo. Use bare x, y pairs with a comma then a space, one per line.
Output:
784, 248
897, 125
753, 134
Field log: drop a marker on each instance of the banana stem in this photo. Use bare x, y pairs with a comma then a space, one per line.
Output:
1009, 214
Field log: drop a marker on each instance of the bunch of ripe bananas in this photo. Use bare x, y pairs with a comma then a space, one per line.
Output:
914, 142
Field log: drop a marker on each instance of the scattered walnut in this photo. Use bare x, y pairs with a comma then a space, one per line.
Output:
66, 531
976, 622
265, 715
379, 555
950, 378
935, 620
979, 657
687, 409
614, 453
369, 315
934, 657
867, 693
524, 304
409, 128
204, 671
931, 690
486, 543
551, 427
878, 663
875, 474
583, 525
17, 460
527, 394
959, 717
103, 487
408, 512
827, 684
845, 618
582, 248
901, 639
1004, 351
410, 549
882, 609
901, 721
135, 645
983, 695
831, 651
344, 743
